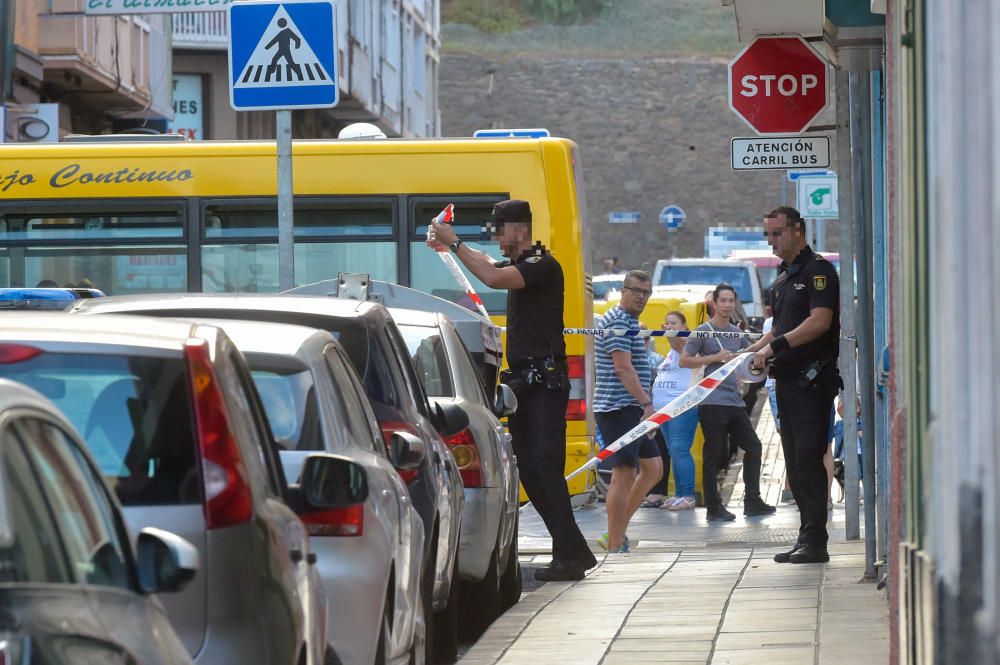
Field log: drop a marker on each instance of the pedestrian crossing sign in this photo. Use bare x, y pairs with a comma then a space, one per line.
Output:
282, 55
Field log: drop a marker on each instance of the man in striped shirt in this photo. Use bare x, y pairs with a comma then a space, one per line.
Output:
622, 401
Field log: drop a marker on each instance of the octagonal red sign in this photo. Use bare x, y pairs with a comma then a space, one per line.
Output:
778, 85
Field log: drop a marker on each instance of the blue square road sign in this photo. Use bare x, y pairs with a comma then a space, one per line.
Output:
282, 55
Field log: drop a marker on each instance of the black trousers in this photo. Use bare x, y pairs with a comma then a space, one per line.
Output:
717, 424
538, 432
805, 431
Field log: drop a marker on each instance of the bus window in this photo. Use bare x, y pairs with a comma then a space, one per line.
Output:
91, 225
330, 237
4, 269
312, 219
429, 274
115, 270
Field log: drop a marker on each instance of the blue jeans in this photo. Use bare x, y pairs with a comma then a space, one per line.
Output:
772, 399
679, 435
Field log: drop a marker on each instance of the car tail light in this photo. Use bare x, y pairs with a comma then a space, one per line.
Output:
390, 426
463, 449
227, 492
348, 521
576, 409
17, 353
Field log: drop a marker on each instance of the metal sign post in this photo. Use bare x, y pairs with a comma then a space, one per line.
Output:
283, 56
286, 228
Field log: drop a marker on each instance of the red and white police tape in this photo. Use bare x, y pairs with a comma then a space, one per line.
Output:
690, 398
447, 216
625, 332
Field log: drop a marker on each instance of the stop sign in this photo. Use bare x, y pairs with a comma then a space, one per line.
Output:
778, 85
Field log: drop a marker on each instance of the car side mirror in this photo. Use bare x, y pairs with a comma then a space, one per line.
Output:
407, 451
328, 481
506, 401
450, 419
166, 561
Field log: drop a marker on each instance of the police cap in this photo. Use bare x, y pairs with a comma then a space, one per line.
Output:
512, 210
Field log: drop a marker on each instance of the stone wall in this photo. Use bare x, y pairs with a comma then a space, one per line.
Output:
652, 132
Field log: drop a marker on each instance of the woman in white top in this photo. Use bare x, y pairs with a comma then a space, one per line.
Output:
672, 380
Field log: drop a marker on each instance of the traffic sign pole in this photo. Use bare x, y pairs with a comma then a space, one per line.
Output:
286, 223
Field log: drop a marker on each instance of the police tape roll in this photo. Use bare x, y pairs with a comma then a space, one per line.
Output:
747, 373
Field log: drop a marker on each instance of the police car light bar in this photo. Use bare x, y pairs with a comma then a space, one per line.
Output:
48, 299
537, 133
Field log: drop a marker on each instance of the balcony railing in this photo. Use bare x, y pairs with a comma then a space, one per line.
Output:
205, 30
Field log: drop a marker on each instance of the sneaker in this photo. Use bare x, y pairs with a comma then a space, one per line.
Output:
602, 541
755, 506
720, 514
624, 548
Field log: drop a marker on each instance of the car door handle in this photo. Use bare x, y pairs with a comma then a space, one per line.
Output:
296, 555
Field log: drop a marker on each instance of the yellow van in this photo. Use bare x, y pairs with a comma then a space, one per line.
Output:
155, 216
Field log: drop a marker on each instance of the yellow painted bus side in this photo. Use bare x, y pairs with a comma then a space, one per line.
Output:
41, 185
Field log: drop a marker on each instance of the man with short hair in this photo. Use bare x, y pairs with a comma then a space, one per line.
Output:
723, 412
622, 401
805, 344
536, 355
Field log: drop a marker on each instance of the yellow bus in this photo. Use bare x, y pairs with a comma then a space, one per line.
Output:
152, 216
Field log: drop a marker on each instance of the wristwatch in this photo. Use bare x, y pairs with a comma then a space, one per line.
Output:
455, 245
645, 404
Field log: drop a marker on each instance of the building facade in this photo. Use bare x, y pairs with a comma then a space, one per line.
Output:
388, 59
66, 72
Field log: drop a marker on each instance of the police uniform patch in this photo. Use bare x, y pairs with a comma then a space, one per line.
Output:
819, 282
533, 259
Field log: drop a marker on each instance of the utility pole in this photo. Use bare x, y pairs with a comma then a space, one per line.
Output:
6, 50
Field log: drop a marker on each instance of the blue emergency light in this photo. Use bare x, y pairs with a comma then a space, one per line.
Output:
44, 299
537, 133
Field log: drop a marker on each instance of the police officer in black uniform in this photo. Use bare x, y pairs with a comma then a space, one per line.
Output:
804, 343
536, 355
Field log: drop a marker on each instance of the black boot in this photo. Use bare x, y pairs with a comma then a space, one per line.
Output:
753, 506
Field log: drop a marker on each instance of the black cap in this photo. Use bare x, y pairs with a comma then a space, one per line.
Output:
512, 210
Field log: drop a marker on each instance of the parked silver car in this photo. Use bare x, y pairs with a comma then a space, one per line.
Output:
488, 562
369, 554
374, 346
72, 588
170, 413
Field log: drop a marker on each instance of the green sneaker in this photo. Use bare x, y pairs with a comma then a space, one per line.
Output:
603, 541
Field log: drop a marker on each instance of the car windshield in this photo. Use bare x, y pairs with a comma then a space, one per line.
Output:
134, 413
430, 359
737, 276
289, 400
603, 288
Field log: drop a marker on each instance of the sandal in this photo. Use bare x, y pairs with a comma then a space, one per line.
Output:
683, 503
651, 503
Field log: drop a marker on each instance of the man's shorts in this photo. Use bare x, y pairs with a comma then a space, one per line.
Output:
613, 424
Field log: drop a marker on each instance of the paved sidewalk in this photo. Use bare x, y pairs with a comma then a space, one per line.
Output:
697, 592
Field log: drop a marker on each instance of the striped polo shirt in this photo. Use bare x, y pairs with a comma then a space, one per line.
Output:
610, 394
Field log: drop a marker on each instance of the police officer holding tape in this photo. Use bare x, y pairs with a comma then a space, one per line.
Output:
536, 355
804, 343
